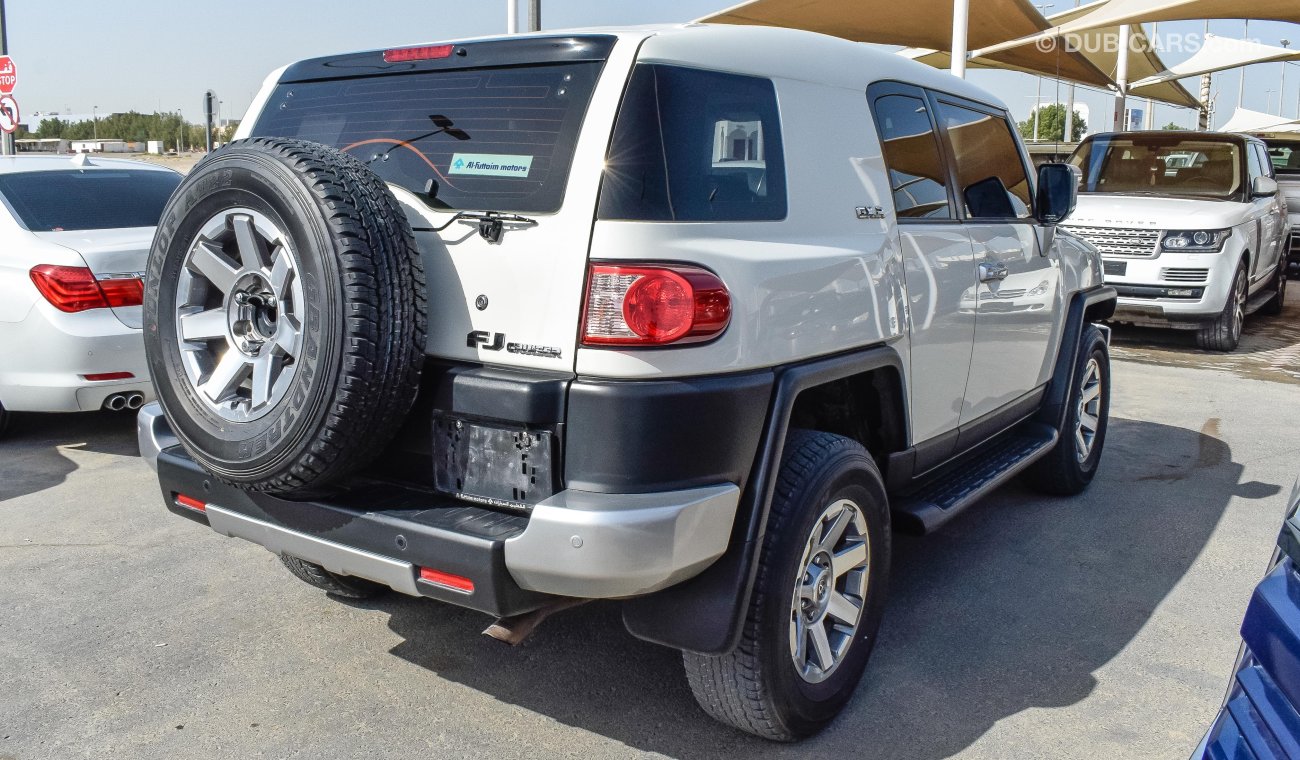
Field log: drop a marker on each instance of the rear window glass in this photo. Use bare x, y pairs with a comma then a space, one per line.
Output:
488, 140
1285, 155
93, 199
695, 146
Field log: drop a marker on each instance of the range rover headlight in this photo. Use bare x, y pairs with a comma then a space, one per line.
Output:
1194, 241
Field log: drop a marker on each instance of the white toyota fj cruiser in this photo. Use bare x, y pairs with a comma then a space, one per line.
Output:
687, 316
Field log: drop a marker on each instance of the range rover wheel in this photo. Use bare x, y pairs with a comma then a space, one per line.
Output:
285, 314
1068, 468
817, 601
1224, 333
339, 585
1275, 304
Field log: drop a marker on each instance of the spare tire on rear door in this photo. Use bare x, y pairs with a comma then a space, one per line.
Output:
284, 314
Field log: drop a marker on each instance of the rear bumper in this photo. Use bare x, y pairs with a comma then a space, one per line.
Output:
575, 543
49, 353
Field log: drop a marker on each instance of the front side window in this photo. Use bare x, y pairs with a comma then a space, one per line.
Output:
88, 199
695, 146
497, 139
991, 178
1166, 165
1255, 162
917, 177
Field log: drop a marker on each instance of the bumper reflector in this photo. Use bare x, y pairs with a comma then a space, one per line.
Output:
447, 580
184, 501
109, 376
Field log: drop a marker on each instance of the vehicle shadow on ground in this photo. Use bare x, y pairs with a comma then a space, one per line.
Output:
1011, 607
31, 456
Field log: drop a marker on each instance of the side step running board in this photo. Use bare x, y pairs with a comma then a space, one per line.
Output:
960, 485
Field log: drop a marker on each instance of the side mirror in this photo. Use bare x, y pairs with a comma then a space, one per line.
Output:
1263, 187
1058, 189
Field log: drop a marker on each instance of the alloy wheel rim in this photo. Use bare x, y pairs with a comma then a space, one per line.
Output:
1239, 306
1088, 419
829, 591
239, 308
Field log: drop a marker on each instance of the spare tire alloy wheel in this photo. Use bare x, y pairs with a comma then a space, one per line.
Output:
285, 315
240, 322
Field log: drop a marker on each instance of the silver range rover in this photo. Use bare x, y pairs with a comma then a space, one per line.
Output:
1285, 154
1191, 226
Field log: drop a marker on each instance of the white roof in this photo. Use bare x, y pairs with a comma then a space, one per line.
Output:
10, 164
1220, 53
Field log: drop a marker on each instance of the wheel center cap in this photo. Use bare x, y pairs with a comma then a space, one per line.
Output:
252, 313
821, 582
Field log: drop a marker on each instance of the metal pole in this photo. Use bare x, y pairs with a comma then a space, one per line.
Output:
1241, 83
6, 144
1038, 106
512, 16
1121, 78
1067, 135
534, 15
1281, 90
960, 27
1149, 118
1203, 118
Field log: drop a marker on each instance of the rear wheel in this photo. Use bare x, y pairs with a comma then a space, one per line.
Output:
339, 585
1224, 332
1275, 304
817, 601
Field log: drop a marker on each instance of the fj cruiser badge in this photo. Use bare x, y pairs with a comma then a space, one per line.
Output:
497, 341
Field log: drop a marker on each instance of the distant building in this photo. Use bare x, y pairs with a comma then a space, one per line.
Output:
46, 145
107, 145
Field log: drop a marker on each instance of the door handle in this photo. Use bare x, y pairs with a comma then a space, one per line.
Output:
991, 271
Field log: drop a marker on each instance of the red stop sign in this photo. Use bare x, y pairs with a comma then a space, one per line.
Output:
8, 74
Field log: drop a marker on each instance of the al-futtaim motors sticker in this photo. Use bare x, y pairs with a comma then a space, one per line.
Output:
491, 165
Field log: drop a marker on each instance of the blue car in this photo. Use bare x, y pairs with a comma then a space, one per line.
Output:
1260, 717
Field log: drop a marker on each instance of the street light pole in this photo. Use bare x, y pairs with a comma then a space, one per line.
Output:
94, 118
6, 144
1281, 90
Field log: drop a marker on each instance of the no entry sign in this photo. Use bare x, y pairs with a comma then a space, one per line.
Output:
8, 74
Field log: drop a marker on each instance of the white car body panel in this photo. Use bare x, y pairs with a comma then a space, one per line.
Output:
46, 351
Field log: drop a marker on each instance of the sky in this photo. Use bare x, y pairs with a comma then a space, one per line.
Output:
161, 55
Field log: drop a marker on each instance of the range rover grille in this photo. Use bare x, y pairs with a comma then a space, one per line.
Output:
1118, 241
1176, 274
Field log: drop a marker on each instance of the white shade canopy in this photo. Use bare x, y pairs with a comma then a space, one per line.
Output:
921, 23
1244, 120
1220, 53
1112, 13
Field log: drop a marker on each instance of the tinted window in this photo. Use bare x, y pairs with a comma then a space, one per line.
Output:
695, 146
499, 139
1255, 162
1285, 155
93, 199
991, 178
917, 176
1155, 164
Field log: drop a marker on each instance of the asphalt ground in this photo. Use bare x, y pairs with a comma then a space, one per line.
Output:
1030, 627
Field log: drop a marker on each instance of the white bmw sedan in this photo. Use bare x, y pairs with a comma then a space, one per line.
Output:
74, 239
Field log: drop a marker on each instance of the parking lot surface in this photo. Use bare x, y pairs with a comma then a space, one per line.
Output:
1099, 626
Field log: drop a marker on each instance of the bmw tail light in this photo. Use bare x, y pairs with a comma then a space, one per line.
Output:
73, 289
651, 305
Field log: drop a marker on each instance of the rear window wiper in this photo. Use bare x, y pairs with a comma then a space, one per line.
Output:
491, 224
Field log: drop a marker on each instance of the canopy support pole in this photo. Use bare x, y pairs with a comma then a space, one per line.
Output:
1121, 77
960, 28
512, 16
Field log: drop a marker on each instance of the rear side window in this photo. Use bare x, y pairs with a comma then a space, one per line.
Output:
92, 199
498, 139
695, 146
917, 176
991, 177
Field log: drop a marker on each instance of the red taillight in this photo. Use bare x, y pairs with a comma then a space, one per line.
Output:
447, 580
423, 53
190, 503
653, 305
73, 289
108, 376
123, 291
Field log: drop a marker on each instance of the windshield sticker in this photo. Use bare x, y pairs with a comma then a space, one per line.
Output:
491, 165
